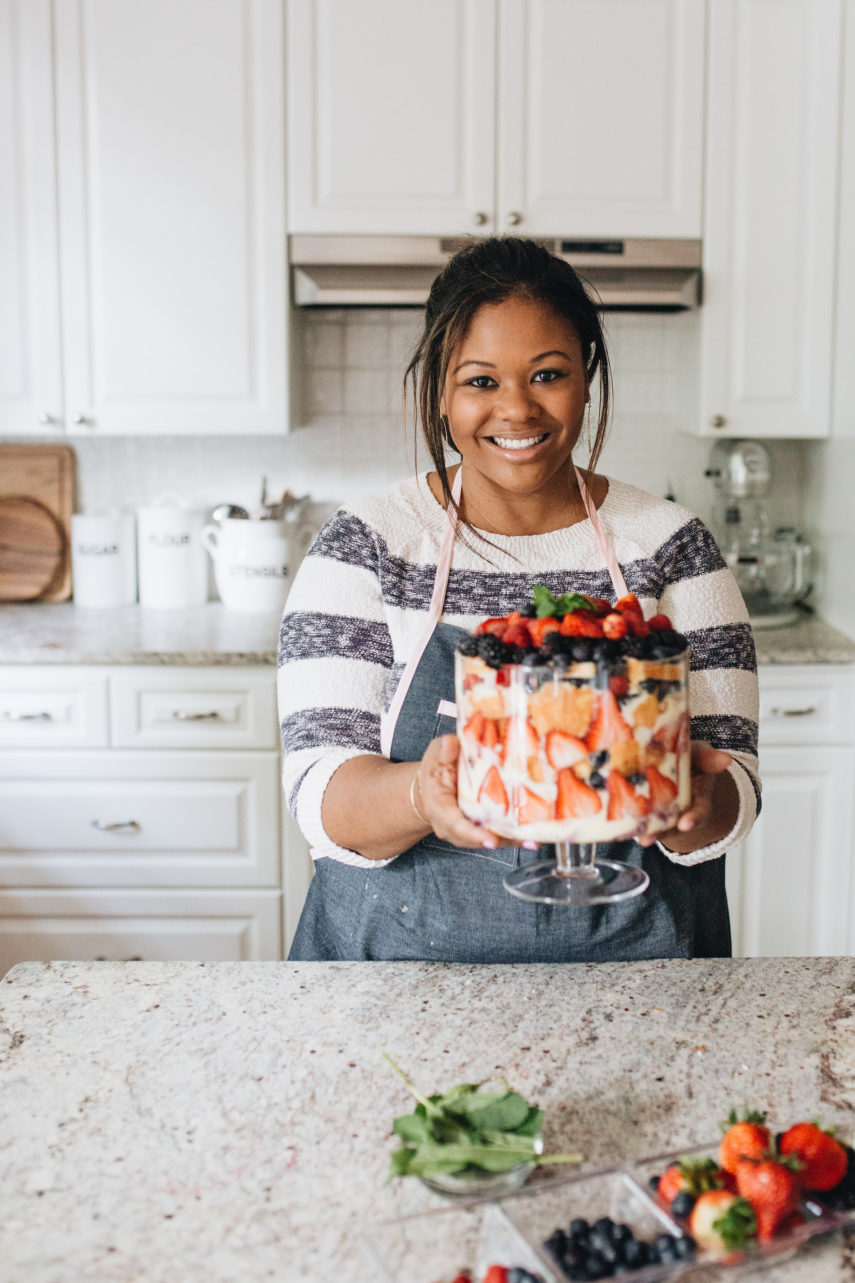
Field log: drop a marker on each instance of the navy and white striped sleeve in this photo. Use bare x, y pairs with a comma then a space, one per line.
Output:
703, 601
335, 656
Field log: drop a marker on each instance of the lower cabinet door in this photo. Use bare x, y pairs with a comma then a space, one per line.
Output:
144, 926
789, 884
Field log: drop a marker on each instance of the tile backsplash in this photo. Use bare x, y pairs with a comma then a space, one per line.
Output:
349, 436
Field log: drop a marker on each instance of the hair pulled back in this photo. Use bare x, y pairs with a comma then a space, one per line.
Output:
491, 271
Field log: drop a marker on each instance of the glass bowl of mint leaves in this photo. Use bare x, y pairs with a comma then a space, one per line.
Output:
473, 1140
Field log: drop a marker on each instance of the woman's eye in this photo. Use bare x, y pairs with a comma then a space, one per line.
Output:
480, 381
548, 376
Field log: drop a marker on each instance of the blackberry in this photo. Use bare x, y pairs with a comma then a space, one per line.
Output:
493, 651
673, 641
518, 654
580, 649
469, 647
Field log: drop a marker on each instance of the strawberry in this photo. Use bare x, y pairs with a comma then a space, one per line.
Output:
581, 623
624, 802
722, 1221
495, 626
564, 750
490, 733
517, 635
630, 602
608, 726
463, 1277
575, 799
531, 807
531, 740
493, 790
615, 626
662, 790
538, 628
619, 685
693, 1177
744, 1137
824, 1159
773, 1190
658, 622
472, 733
600, 605
496, 1274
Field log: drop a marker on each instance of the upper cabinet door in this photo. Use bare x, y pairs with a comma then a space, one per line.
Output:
172, 215
391, 110
601, 117
30, 361
769, 237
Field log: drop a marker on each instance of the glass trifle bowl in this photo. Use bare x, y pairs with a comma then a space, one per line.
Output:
574, 731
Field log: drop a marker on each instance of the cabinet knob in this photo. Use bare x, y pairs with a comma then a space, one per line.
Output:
718, 421
120, 826
82, 419
44, 417
480, 218
515, 218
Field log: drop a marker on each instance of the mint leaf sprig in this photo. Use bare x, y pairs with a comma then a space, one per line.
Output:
466, 1129
545, 603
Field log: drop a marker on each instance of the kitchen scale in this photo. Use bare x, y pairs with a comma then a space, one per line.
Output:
770, 567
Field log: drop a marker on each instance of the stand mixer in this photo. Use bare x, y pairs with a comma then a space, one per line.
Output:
770, 567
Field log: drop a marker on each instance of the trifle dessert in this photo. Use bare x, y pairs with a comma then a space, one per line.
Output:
573, 721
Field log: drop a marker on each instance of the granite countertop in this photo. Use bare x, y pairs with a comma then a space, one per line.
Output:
61, 633
228, 1121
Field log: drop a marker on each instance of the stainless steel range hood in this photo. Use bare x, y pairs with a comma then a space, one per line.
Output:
397, 271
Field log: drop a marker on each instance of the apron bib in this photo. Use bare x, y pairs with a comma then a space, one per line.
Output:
437, 902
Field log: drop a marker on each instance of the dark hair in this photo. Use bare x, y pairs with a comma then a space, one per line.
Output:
491, 271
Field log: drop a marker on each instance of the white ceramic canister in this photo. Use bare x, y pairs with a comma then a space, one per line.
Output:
173, 569
103, 558
253, 562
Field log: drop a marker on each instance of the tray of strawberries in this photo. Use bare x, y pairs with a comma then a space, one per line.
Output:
724, 1210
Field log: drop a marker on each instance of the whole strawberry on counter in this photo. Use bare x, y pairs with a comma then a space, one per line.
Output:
824, 1160
745, 1136
773, 1188
681, 1184
722, 1222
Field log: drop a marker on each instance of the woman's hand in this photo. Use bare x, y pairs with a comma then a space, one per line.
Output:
437, 798
713, 807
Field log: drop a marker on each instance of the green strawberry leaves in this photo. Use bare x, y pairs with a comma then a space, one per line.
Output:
466, 1129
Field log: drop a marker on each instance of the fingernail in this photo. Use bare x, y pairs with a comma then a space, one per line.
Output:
490, 844
531, 846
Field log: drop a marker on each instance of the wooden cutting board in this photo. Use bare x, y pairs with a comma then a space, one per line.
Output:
44, 474
32, 550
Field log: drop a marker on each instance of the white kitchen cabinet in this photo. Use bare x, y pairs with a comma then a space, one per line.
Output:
152, 281
771, 218
146, 795
577, 118
790, 884
843, 417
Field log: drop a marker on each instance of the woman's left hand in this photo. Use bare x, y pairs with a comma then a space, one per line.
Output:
709, 799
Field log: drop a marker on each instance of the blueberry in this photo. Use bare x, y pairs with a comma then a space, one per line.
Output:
596, 780
650, 684
685, 1246
637, 778
653, 1181
597, 1267
621, 1233
635, 1254
579, 1227
580, 649
600, 759
605, 1225
683, 1204
663, 1241
556, 1244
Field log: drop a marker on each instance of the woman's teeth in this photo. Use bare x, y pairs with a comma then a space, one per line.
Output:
511, 443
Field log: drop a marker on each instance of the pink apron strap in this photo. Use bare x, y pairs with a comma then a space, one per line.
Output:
389, 719
605, 540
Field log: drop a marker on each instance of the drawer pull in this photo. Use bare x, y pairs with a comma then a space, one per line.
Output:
179, 715
15, 715
120, 826
792, 712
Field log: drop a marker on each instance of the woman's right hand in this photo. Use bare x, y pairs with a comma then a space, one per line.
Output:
436, 792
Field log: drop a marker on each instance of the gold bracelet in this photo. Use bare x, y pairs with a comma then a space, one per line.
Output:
415, 780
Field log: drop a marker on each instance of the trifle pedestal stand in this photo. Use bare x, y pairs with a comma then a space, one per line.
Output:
575, 876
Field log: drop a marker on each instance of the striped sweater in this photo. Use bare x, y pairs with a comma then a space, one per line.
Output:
360, 598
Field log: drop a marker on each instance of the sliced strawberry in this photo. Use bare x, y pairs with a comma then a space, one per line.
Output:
659, 622
674, 735
490, 734
575, 799
629, 602
531, 739
531, 807
495, 626
615, 626
496, 1274
538, 628
474, 729
624, 802
662, 790
608, 726
517, 635
564, 750
493, 790
581, 623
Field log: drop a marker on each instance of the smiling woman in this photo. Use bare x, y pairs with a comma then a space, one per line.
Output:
503, 378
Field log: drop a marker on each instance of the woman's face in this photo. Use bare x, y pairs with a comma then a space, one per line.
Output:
515, 397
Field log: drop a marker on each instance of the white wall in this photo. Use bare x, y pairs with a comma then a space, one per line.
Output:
350, 437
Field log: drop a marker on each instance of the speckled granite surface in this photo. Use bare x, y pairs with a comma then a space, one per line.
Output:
182, 1121
61, 633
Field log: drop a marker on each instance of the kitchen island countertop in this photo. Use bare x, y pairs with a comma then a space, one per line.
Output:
231, 1121
62, 633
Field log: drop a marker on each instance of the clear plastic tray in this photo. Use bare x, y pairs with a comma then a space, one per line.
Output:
434, 1247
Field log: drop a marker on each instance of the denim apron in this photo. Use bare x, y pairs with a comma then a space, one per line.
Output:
441, 903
